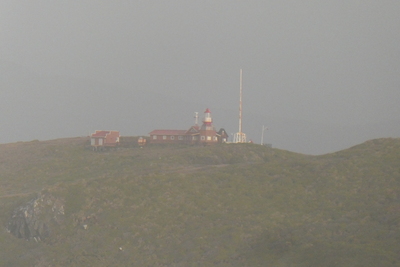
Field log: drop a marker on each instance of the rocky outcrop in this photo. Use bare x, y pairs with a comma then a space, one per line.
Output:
34, 220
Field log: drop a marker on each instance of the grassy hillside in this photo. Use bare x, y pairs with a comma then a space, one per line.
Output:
226, 205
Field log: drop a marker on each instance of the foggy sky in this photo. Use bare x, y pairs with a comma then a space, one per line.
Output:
321, 75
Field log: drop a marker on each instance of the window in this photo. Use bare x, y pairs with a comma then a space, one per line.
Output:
164, 137
194, 137
215, 138
180, 137
172, 137
208, 138
203, 137
154, 137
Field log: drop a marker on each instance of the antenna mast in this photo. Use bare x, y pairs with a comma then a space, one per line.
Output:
240, 102
240, 137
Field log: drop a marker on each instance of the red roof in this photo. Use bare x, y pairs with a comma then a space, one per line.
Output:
104, 133
207, 111
168, 132
193, 130
100, 133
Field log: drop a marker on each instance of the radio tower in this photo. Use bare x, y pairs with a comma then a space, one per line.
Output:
240, 137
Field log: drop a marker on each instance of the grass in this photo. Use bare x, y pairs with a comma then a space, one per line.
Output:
226, 205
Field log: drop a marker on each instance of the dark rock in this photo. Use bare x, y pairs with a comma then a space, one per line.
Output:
35, 219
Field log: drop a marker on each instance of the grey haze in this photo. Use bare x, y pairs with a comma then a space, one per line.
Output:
321, 75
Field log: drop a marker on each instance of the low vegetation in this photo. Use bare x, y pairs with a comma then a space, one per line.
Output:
224, 205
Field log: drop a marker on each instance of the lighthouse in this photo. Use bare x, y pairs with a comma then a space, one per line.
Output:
207, 121
207, 130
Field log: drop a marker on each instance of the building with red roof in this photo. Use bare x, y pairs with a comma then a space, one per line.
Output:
206, 134
101, 139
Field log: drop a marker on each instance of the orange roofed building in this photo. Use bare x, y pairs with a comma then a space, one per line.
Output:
101, 139
206, 134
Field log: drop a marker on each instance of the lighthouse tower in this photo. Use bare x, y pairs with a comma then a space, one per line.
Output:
207, 130
207, 121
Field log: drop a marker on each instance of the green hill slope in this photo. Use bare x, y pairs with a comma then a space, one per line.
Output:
226, 205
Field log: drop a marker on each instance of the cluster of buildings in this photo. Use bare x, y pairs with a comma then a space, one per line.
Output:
205, 134
196, 135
